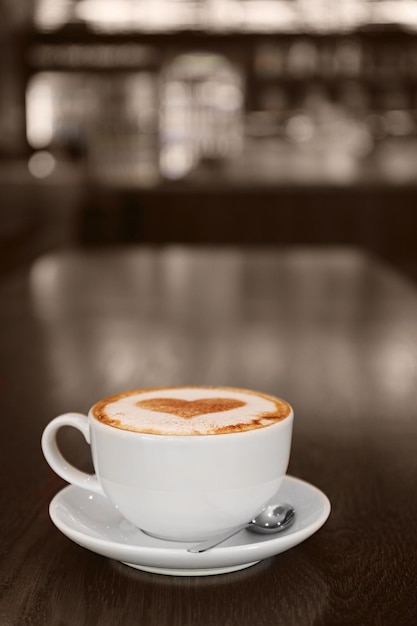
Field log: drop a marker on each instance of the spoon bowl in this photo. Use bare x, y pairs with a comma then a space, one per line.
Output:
274, 518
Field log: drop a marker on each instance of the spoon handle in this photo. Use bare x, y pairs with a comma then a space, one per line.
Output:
214, 541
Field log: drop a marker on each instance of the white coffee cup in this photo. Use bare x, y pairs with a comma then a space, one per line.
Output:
181, 487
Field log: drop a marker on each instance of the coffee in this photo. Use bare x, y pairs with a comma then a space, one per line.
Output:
190, 410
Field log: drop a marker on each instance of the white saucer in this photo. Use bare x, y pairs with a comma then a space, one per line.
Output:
92, 522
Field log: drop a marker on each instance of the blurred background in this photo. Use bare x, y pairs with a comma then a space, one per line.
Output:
279, 122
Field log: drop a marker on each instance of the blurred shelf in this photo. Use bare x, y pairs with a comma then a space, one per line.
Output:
381, 60
78, 32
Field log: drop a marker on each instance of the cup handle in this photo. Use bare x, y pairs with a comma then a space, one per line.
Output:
57, 461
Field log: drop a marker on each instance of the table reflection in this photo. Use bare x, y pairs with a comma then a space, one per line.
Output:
298, 321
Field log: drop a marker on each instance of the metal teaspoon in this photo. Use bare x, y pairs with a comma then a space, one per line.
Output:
274, 518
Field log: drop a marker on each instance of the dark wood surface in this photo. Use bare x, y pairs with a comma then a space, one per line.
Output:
331, 330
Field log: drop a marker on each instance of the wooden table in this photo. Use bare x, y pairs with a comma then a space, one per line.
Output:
331, 330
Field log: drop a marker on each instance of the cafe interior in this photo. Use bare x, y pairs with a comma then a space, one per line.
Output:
209, 122
211, 193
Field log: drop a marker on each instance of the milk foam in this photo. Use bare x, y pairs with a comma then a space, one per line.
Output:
199, 415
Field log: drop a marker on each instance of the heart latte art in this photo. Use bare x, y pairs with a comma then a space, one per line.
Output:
190, 410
